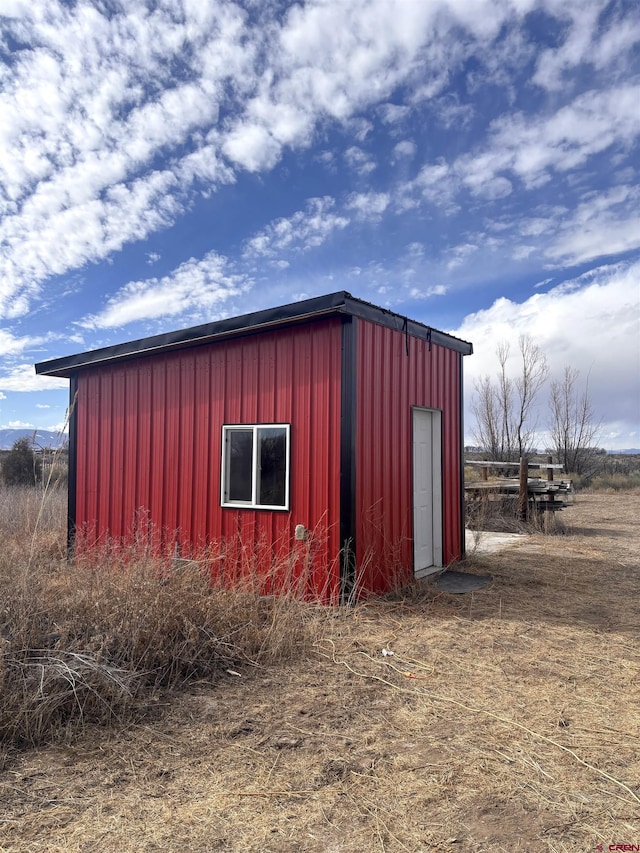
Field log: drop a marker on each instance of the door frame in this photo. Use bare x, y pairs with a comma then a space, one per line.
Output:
437, 490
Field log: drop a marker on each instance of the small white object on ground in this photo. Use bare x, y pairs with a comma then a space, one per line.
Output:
486, 542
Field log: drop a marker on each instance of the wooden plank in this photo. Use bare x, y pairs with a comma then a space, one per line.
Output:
489, 464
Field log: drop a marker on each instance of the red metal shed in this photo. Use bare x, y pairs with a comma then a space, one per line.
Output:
327, 431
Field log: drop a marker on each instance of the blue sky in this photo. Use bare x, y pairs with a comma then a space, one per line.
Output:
473, 164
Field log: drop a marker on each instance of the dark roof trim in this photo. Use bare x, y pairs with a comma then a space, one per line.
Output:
384, 317
296, 312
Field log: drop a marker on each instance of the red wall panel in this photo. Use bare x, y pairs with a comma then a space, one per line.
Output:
149, 446
396, 372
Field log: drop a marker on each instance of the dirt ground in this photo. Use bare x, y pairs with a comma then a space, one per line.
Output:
507, 719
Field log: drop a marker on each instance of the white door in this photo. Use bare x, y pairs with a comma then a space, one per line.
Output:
427, 491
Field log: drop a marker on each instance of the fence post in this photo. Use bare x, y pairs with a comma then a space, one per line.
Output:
549, 470
523, 494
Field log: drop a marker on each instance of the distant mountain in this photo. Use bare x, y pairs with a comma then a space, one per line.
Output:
43, 437
630, 451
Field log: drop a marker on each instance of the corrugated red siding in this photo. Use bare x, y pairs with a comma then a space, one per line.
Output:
149, 446
391, 381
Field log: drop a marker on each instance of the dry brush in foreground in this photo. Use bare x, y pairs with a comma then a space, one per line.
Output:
506, 720
104, 636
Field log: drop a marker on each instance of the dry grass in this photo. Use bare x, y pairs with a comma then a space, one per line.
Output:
506, 720
107, 635
617, 482
26, 511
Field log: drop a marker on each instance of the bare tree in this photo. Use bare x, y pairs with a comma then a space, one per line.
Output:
533, 375
504, 407
574, 430
504, 395
488, 429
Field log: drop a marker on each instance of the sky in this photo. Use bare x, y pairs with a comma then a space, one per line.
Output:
473, 164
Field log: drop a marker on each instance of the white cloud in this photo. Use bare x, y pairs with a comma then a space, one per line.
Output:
358, 128
81, 88
305, 229
599, 224
460, 254
196, 285
86, 110
393, 113
406, 148
415, 250
40, 246
94, 100
426, 293
613, 45
62, 427
3, 396
358, 160
360, 51
605, 223
608, 236
22, 377
10, 345
533, 149
252, 146
587, 42
451, 113
591, 323
437, 183
19, 425
368, 205
530, 149
536, 225
330, 60
521, 253
42, 406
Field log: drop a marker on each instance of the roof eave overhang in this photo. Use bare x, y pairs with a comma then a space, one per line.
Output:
69, 365
286, 315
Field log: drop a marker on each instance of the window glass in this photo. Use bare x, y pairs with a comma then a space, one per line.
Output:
239, 464
272, 466
255, 465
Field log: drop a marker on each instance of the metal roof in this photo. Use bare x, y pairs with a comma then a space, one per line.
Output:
296, 312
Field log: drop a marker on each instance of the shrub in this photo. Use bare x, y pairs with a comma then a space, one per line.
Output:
578, 481
21, 466
616, 482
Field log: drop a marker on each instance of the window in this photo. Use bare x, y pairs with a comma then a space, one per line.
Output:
255, 466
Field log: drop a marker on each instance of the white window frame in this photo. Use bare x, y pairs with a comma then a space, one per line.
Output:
253, 503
